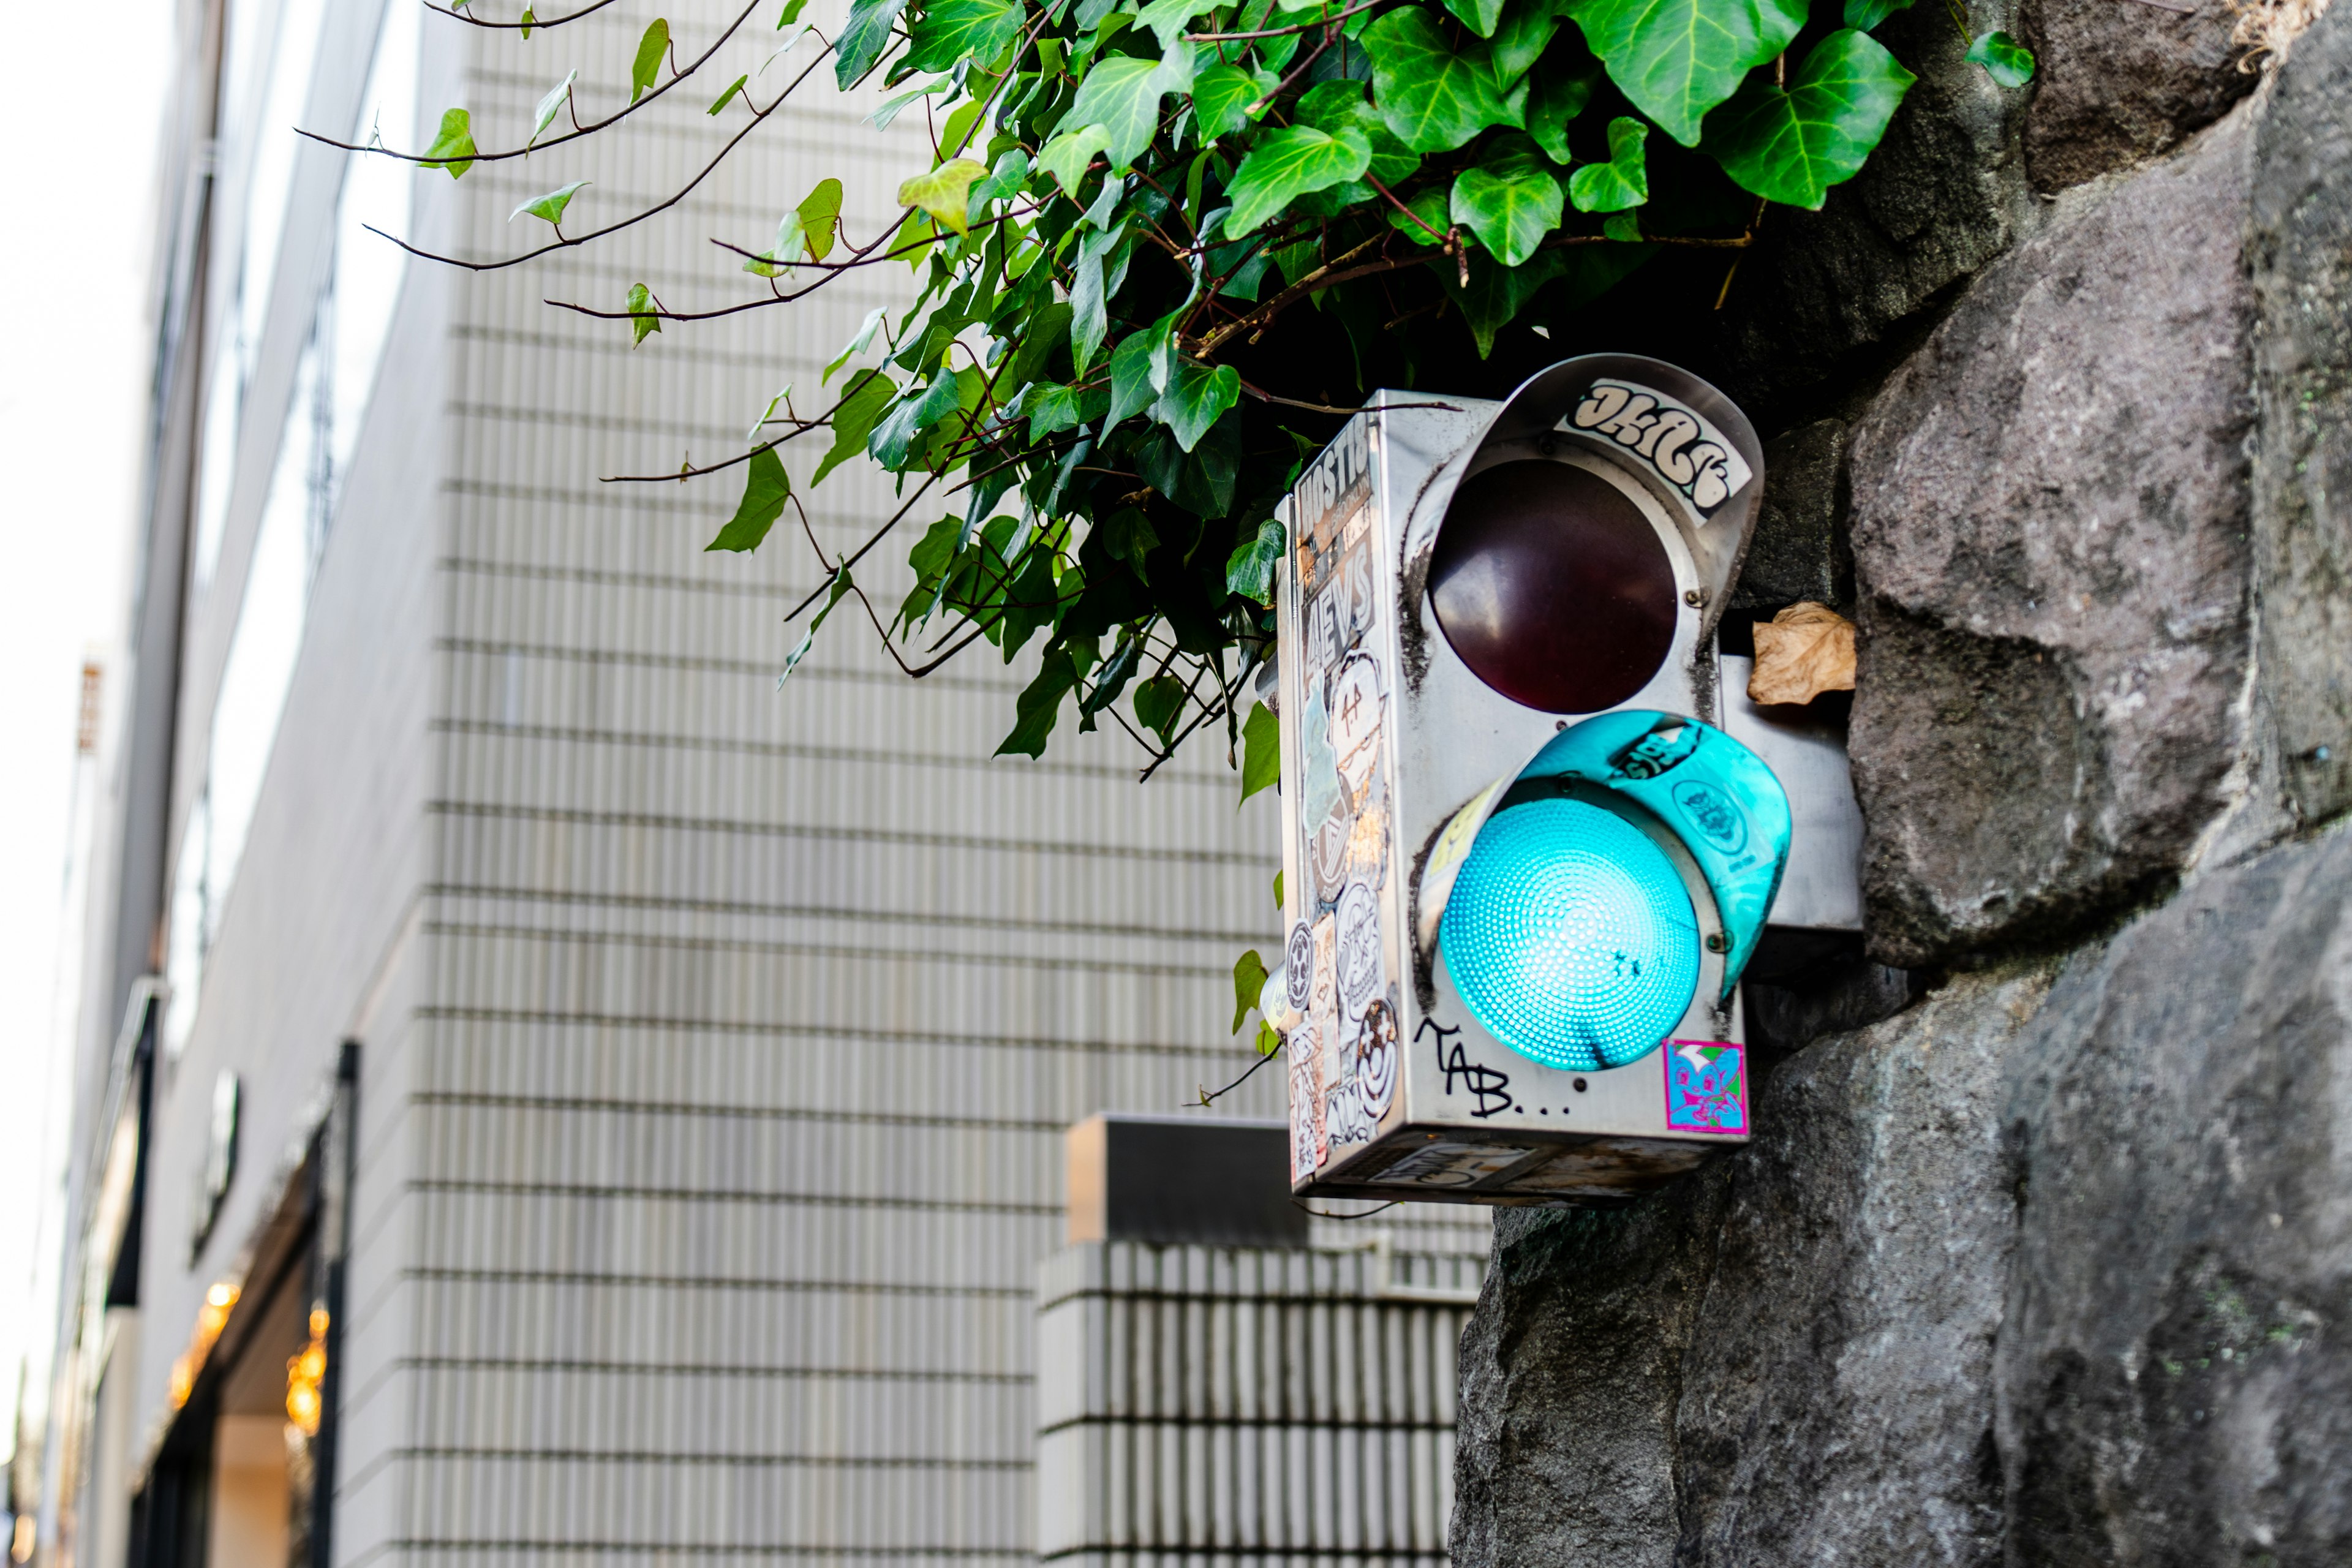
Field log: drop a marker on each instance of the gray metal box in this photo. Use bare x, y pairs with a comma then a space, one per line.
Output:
1396, 1091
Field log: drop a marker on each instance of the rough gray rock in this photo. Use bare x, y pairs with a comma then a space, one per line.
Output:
1837, 1397
1800, 550
2301, 261
1943, 194
1564, 1440
2116, 83
2175, 1362
1784, 1360
2050, 513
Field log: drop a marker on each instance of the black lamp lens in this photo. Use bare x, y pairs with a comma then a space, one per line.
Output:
1553, 587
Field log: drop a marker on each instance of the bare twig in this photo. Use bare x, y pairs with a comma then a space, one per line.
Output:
1281, 32
677, 75
534, 24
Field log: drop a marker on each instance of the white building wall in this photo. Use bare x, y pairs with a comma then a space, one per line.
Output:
717, 1041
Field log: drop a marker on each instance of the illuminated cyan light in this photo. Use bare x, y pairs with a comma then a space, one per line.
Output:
1571, 936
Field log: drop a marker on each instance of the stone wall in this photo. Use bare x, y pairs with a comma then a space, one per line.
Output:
2052, 1264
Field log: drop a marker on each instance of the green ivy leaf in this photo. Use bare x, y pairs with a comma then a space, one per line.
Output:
1249, 981
529, 20
947, 31
1196, 397
1624, 225
1058, 409
1338, 107
724, 98
863, 38
1134, 387
1267, 1042
453, 149
1221, 96
1676, 60
1121, 95
1497, 294
1249, 570
552, 105
1159, 704
1433, 98
1793, 146
647, 68
1261, 754
858, 344
1556, 99
1068, 156
551, 206
766, 488
641, 300
1431, 213
792, 9
1277, 889
1478, 15
841, 587
1167, 19
915, 412
1525, 32
1864, 14
1005, 176
818, 211
1508, 199
1621, 183
942, 192
2004, 59
1127, 538
869, 392
1286, 165
1040, 703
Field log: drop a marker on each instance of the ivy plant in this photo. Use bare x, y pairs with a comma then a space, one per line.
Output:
1161, 249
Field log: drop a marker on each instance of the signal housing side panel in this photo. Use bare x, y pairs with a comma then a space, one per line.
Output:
1464, 1117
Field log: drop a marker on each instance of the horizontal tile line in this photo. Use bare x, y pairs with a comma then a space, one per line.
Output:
1247, 1423
671, 1548
532, 572
732, 1461
1428, 1556
583, 1191
705, 663
693, 1369
749, 828
829, 950
964, 762
726, 1112
447, 1013
709, 1282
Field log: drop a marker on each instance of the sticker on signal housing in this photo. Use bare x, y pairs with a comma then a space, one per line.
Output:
1707, 1087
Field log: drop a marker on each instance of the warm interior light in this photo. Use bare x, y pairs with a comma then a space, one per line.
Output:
1571, 936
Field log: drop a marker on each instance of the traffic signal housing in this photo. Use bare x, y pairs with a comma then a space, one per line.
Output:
1524, 864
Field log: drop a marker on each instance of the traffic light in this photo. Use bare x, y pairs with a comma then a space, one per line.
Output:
1524, 863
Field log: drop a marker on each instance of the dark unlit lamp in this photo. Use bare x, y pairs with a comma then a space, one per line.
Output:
1553, 587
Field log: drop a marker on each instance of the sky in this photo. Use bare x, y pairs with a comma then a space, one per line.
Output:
74, 362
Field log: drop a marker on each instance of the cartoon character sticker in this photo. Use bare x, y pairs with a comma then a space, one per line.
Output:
1707, 1087
1305, 1050
1322, 997
1326, 857
1319, 793
1367, 858
1358, 935
1298, 966
1356, 724
1377, 1055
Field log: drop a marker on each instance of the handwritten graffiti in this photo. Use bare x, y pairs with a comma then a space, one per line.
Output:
1489, 1087
1680, 447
